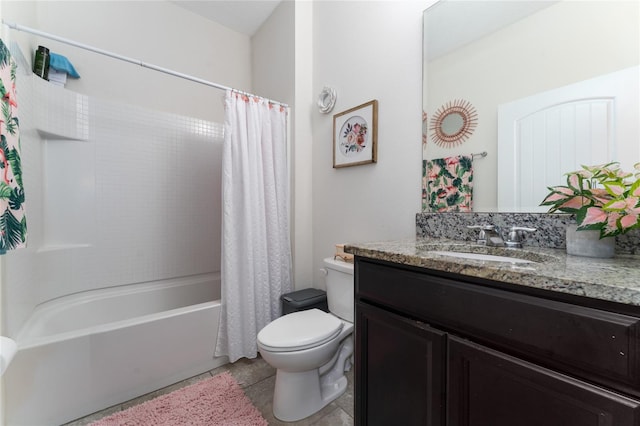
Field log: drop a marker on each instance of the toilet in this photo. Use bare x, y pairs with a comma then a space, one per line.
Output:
312, 349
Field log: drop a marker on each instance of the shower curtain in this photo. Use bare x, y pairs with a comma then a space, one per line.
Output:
256, 251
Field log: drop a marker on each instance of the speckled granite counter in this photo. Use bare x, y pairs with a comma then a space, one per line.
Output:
616, 279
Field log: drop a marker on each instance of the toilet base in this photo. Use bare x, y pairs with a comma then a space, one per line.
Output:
299, 395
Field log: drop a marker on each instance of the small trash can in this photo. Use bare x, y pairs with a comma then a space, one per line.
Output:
306, 298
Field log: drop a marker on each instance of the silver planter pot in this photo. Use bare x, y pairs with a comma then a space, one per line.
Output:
588, 243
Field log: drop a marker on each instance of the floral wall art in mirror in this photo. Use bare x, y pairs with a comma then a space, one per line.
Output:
453, 123
355, 134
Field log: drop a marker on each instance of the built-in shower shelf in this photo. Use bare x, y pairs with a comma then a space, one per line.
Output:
47, 136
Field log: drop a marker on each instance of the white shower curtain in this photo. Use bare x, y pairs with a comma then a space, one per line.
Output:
256, 250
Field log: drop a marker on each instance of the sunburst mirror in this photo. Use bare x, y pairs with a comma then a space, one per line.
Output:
453, 123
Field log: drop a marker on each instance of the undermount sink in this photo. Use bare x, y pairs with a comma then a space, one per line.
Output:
481, 256
484, 253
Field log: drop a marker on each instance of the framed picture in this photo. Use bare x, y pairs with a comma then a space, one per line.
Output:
355, 134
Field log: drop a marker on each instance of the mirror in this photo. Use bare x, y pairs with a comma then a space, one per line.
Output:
453, 123
571, 65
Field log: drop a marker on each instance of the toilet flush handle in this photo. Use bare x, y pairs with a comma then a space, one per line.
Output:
324, 271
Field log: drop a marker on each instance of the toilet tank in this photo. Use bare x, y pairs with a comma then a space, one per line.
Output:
339, 282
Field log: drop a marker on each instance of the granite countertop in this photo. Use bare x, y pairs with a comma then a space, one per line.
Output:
616, 279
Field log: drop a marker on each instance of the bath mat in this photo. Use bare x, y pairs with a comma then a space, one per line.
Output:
215, 401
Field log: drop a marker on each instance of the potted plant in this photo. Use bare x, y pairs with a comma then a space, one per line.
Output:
604, 198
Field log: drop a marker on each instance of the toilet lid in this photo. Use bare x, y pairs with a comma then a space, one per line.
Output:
299, 330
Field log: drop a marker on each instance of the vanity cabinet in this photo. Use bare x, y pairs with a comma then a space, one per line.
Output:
436, 349
393, 347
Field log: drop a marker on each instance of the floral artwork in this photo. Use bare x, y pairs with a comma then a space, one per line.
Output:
603, 198
448, 185
13, 224
355, 135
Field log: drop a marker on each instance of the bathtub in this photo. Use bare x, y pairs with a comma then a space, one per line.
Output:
85, 352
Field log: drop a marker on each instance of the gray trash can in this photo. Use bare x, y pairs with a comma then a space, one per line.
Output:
306, 298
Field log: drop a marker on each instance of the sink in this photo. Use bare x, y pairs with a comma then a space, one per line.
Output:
480, 256
484, 253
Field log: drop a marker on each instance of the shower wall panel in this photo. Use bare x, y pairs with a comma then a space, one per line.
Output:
116, 194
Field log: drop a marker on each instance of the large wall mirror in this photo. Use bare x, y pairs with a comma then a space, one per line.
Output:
554, 84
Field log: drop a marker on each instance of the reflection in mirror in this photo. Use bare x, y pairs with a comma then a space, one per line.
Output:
553, 91
452, 124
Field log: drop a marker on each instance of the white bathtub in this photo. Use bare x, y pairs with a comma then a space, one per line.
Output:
88, 351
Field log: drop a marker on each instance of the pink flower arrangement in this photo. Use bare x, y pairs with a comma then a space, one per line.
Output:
602, 197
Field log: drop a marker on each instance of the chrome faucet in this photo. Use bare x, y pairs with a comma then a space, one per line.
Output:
516, 236
488, 235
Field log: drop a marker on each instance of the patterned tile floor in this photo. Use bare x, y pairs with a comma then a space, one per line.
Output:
257, 378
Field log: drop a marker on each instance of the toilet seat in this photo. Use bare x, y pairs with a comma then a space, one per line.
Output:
299, 330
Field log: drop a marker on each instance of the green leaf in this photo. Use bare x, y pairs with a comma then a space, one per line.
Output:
16, 199
11, 230
13, 157
5, 191
4, 146
615, 188
440, 162
614, 206
433, 198
634, 190
465, 163
5, 55
8, 118
23, 224
580, 216
454, 199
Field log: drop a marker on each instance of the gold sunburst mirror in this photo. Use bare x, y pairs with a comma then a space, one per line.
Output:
453, 123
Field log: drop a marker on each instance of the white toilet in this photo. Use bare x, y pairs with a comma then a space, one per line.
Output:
312, 349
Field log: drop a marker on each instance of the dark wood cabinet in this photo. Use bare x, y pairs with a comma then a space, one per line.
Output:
402, 370
487, 387
438, 349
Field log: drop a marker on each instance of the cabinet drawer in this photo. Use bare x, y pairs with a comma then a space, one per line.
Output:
598, 345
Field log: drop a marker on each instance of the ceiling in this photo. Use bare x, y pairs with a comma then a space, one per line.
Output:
243, 16
447, 26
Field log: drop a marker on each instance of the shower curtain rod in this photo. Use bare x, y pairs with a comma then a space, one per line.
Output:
19, 27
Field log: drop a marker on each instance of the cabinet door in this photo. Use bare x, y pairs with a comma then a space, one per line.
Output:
490, 388
400, 370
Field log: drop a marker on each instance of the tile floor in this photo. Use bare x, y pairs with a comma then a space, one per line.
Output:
257, 378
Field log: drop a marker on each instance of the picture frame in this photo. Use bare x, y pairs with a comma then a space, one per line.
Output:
355, 136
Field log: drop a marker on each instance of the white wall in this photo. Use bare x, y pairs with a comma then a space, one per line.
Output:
276, 59
303, 147
368, 50
155, 32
